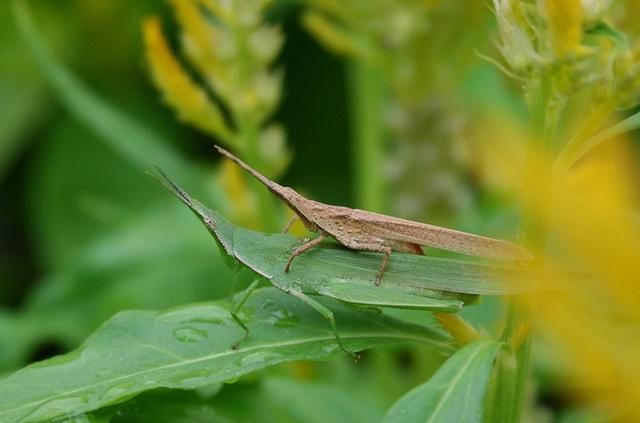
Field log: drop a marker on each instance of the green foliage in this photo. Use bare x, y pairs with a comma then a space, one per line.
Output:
462, 380
115, 315
190, 347
140, 145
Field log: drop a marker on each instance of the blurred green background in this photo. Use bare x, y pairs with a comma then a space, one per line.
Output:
85, 233
76, 215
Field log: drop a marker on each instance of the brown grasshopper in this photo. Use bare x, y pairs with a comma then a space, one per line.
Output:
368, 231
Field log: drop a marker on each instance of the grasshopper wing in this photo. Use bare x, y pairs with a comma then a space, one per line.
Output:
407, 231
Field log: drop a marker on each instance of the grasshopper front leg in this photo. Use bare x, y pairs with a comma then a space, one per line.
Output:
289, 223
304, 247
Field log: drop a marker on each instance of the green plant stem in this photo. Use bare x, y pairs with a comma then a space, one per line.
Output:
512, 369
367, 93
575, 150
463, 332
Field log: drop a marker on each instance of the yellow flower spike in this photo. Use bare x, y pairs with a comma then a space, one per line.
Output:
601, 353
221, 9
565, 19
265, 43
199, 39
615, 159
193, 23
605, 184
595, 10
593, 322
190, 102
516, 44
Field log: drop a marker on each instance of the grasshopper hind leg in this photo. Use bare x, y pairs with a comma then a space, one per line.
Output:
373, 244
327, 314
406, 247
385, 260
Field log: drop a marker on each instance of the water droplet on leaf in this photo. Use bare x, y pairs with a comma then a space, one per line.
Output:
282, 318
232, 380
267, 304
259, 358
329, 348
189, 334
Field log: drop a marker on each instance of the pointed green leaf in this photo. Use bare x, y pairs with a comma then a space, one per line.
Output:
192, 346
456, 391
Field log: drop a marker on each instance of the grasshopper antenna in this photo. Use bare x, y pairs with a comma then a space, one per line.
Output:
171, 186
267, 182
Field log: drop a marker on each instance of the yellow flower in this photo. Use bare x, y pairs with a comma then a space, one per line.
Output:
190, 101
592, 320
565, 18
204, 44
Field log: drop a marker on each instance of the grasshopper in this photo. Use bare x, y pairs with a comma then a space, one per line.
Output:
367, 231
242, 245
263, 254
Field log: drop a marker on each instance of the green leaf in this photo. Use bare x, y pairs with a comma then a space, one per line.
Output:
99, 417
456, 391
577, 149
283, 400
74, 195
170, 406
192, 346
23, 93
314, 402
136, 266
25, 107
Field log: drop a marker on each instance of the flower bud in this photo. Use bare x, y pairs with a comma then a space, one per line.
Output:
516, 45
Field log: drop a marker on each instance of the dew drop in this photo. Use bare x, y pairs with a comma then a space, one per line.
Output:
329, 348
267, 304
232, 380
259, 358
283, 318
189, 334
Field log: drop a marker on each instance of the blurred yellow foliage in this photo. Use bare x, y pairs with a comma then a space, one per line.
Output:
565, 18
232, 50
591, 227
179, 90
